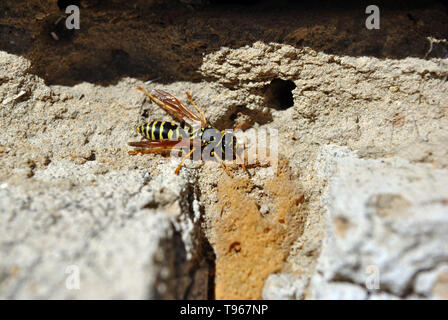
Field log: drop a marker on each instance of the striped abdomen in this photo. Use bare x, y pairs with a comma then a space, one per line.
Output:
161, 130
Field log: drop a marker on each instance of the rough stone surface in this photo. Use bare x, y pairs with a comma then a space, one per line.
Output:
284, 286
361, 186
433, 283
125, 238
387, 222
385, 233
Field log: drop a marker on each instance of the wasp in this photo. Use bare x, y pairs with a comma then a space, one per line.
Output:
164, 135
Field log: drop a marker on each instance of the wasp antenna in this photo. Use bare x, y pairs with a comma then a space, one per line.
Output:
204, 120
145, 91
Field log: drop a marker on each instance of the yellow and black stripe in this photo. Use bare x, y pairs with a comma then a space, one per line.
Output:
161, 130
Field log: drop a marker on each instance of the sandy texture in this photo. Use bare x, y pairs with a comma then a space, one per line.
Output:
251, 245
362, 118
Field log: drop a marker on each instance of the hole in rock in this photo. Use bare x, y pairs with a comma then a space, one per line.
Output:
278, 94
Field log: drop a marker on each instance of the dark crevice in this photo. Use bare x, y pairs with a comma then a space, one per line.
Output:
205, 263
194, 278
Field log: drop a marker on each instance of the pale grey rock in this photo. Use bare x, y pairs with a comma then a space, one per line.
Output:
427, 283
284, 286
387, 222
125, 234
383, 296
339, 291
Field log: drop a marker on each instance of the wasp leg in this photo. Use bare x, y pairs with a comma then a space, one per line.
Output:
242, 162
197, 108
223, 165
182, 161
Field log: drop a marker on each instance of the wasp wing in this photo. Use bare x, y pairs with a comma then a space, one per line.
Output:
153, 146
168, 144
171, 105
